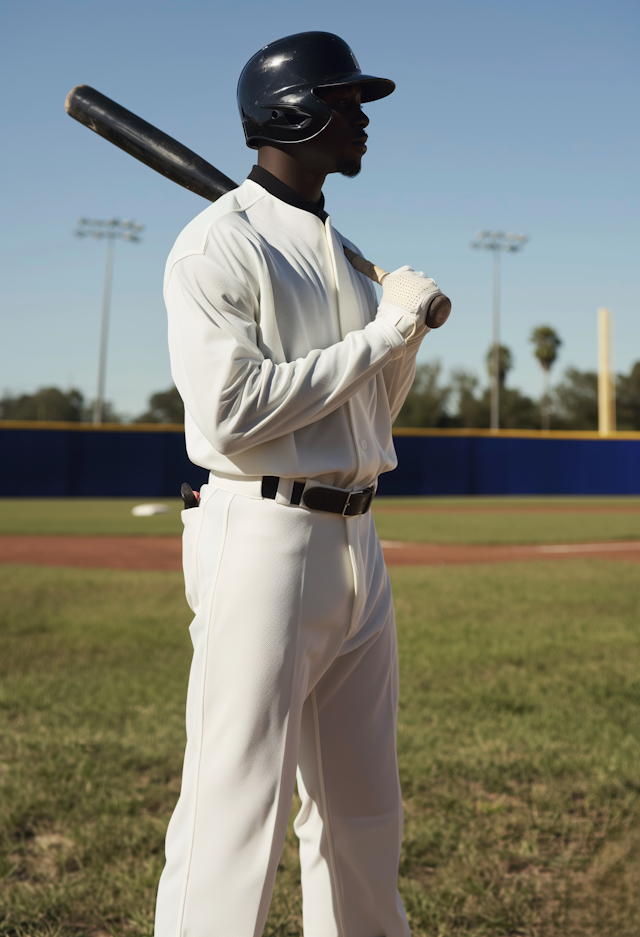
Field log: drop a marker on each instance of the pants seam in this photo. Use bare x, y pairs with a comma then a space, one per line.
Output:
327, 822
183, 897
289, 728
282, 764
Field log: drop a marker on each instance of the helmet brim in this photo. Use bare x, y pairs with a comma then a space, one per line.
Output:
372, 88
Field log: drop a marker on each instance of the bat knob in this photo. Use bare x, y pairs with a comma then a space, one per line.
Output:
189, 496
438, 311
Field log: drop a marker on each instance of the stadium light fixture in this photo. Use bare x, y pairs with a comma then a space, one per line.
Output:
111, 230
498, 242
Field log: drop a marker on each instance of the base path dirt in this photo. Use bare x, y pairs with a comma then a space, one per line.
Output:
165, 553
505, 509
450, 554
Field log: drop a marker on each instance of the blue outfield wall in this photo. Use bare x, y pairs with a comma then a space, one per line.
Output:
152, 463
93, 463
508, 465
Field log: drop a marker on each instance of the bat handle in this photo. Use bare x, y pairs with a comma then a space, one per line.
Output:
377, 274
439, 308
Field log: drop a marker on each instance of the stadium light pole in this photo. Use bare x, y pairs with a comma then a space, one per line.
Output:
497, 242
112, 230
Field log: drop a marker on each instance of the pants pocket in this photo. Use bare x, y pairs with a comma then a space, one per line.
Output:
192, 520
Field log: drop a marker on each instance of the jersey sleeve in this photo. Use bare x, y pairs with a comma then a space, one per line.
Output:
399, 374
238, 397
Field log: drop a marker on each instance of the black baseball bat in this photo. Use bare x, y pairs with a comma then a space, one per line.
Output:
180, 164
148, 144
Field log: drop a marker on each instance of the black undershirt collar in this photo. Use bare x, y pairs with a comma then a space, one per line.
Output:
286, 194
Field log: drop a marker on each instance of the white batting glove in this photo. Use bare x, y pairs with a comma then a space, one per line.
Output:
406, 297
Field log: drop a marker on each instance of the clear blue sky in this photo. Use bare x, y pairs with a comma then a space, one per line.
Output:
511, 115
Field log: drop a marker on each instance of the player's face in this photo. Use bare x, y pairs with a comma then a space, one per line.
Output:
342, 144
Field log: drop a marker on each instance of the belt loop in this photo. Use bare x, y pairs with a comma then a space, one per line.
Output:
270, 486
296, 492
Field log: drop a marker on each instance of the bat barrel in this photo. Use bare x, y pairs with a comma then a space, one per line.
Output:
148, 144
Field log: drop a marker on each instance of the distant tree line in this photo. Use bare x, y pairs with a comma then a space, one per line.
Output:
460, 402
51, 403
572, 404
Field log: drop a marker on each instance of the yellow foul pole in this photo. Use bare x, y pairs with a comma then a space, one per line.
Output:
606, 385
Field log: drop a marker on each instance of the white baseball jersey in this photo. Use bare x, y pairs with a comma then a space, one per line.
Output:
284, 371
275, 349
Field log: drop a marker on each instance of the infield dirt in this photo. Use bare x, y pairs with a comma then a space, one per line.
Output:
165, 553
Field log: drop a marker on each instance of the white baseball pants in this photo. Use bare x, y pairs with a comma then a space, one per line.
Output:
294, 669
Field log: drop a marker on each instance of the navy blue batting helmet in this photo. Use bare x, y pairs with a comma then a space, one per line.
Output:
276, 90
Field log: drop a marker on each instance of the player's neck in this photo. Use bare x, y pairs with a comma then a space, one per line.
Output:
304, 180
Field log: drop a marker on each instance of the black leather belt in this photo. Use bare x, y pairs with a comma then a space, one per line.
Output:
333, 500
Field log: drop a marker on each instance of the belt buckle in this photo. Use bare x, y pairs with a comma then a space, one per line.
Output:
362, 491
346, 504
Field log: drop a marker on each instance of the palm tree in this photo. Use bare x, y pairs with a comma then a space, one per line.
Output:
546, 342
505, 363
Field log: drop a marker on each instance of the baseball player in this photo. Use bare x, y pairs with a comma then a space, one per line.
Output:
292, 375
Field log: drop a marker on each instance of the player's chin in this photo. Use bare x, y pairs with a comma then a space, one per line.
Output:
350, 166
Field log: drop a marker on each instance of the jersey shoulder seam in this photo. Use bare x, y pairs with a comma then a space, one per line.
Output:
233, 210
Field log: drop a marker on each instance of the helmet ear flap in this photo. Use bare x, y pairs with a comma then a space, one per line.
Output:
293, 118
285, 123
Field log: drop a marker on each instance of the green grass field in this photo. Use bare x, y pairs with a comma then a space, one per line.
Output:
518, 741
544, 525
87, 516
524, 526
